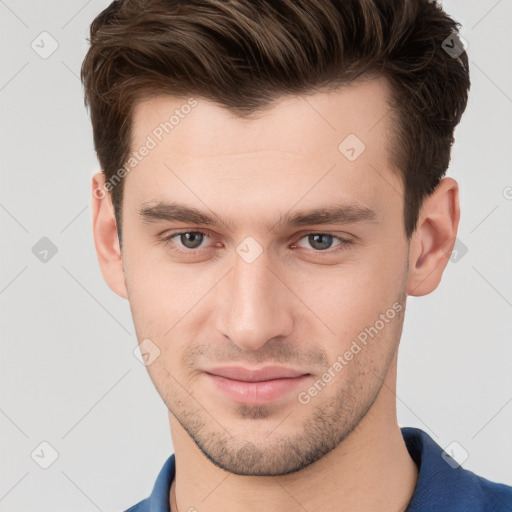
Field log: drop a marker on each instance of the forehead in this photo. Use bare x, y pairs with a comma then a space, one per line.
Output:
302, 124
327, 146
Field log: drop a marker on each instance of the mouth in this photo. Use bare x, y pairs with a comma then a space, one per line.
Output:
255, 386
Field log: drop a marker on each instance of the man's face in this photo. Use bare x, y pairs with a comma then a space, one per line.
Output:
256, 290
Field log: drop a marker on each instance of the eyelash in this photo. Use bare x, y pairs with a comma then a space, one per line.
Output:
344, 243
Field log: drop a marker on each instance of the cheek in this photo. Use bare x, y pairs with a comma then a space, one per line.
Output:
357, 307
167, 305
351, 295
153, 293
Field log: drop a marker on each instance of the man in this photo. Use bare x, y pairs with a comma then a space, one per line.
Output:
271, 192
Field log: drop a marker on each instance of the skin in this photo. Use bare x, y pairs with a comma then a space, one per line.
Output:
295, 305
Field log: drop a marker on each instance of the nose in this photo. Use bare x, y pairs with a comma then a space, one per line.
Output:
255, 305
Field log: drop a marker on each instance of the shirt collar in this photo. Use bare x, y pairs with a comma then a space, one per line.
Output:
442, 483
159, 499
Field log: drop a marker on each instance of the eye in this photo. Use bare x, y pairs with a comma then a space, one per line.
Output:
324, 241
189, 240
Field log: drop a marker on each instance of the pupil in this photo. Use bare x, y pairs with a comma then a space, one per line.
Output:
325, 241
191, 240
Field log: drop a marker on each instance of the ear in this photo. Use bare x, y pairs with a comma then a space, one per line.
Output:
434, 239
105, 235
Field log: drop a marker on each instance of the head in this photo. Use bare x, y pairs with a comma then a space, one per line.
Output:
271, 191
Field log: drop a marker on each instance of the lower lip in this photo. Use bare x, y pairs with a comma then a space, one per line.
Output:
255, 393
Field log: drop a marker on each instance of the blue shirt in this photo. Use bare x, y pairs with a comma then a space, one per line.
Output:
441, 487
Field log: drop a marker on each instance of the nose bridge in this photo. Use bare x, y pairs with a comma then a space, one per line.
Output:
254, 308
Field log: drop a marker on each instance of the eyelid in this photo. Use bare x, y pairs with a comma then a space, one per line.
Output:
341, 240
167, 237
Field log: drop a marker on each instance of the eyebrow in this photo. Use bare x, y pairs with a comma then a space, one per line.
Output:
350, 213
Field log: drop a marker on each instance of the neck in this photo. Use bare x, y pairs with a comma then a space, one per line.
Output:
370, 470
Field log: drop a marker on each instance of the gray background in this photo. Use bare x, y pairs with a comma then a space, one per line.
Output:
68, 373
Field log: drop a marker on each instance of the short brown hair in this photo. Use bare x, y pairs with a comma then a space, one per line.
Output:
244, 55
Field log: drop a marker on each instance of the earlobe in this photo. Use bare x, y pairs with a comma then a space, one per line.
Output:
434, 239
106, 238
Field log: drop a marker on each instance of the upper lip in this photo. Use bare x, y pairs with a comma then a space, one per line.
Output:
255, 375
